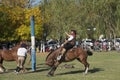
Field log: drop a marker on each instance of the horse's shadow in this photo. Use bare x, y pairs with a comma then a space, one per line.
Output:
38, 69
29, 69
94, 70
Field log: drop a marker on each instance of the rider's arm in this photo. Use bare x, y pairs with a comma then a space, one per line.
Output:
69, 39
67, 34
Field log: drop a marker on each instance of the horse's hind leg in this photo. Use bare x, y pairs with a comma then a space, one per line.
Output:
86, 64
2, 69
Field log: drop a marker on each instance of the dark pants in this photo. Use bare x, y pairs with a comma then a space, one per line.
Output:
68, 46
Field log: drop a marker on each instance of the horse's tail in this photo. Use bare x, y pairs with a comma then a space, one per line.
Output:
90, 53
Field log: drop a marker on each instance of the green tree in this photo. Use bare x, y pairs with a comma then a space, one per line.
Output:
63, 15
15, 20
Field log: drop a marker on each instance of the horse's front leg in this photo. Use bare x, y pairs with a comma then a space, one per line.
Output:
54, 67
51, 73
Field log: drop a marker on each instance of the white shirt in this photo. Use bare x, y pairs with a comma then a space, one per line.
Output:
70, 37
22, 52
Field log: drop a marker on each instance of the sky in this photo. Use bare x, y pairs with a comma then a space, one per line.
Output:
36, 2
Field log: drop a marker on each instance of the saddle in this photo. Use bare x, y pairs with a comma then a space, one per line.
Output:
72, 49
63, 56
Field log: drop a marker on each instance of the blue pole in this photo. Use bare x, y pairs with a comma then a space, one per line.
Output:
33, 52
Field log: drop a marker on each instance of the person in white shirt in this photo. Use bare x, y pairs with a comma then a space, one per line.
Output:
68, 44
22, 54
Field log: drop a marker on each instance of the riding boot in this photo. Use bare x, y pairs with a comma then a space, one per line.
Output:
63, 51
61, 54
19, 69
16, 70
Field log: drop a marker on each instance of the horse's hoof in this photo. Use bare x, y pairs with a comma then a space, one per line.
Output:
85, 73
2, 70
49, 75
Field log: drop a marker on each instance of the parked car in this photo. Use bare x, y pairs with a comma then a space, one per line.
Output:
88, 42
51, 45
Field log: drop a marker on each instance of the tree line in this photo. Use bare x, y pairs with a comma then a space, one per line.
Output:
90, 18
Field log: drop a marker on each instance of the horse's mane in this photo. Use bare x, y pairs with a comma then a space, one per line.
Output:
52, 52
48, 54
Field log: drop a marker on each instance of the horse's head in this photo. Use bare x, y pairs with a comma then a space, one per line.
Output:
51, 57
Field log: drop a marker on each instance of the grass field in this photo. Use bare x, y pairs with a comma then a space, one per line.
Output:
103, 66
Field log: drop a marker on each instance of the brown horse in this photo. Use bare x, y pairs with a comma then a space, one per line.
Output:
72, 54
8, 55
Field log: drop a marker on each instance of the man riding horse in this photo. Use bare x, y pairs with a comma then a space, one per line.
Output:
68, 44
64, 54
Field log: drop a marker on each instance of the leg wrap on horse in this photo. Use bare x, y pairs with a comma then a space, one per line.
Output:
53, 68
51, 73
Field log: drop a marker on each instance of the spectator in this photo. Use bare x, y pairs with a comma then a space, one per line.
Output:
22, 54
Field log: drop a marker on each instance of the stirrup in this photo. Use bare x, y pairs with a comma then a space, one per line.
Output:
59, 57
